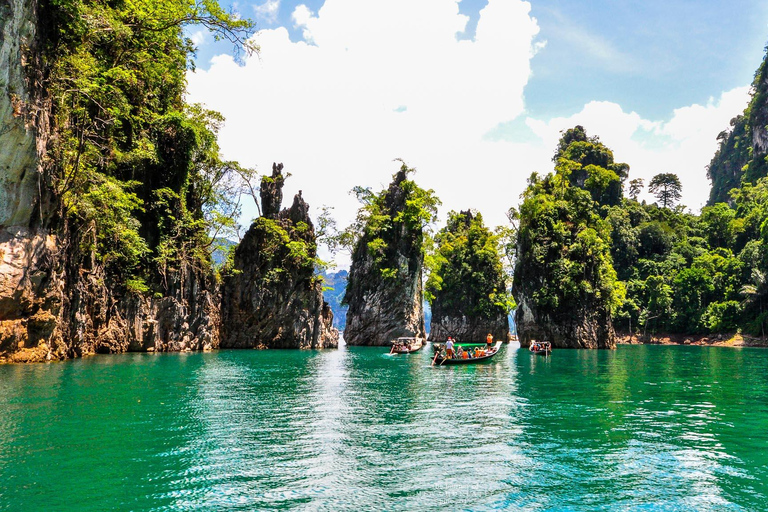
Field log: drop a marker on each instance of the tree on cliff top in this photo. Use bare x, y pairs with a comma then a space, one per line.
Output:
589, 164
402, 208
467, 276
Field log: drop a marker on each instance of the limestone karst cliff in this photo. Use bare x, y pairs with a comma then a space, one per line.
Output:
467, 285
79, 271
564, 281
271, 297
741, 156
384, 289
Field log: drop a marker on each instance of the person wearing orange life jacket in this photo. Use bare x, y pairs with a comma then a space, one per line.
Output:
488, 341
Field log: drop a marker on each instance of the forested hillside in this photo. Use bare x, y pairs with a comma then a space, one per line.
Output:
656, 267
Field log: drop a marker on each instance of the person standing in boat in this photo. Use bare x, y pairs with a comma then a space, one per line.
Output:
488, 341
449, 348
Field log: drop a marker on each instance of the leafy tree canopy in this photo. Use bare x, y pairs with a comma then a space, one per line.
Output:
667, 189
467, 276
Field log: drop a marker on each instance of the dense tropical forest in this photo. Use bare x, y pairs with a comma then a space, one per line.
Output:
654, 267
135, 168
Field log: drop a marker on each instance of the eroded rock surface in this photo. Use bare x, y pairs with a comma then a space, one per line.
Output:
273, 298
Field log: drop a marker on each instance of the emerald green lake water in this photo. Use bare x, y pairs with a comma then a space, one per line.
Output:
638, 428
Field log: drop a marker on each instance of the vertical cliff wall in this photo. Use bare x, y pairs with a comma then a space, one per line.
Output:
55, 300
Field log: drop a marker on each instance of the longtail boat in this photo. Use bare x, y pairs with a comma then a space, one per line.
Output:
440, 358
406, 345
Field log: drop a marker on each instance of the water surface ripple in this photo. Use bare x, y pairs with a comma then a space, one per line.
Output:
639, 428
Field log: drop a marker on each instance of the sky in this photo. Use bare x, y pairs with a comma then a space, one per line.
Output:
473, 94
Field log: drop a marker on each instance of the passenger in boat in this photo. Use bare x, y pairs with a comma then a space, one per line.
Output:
449, 348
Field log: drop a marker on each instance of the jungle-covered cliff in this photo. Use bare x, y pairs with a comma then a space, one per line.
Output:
110, 181
467, 287
588, 260
564, 281
741, 157
384, 289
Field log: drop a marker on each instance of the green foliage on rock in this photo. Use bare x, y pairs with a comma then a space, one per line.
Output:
136, 170
655, 268
741, 157
467, 276
392, 219
564, 264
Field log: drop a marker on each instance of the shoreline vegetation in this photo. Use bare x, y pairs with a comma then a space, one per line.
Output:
735, 340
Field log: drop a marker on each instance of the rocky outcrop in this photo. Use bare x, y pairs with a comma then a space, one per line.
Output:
272, 298
22, 122
741, 155
51, 308
467, 283
384, 290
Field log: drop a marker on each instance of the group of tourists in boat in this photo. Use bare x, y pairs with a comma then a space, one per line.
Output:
452, 352
540, 347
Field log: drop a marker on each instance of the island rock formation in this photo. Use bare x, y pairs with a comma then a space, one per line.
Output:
467, 302
583, 328
272, 297
384, 288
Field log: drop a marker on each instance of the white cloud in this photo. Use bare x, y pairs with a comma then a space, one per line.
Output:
376, 80
382, 79
268, 11
198, 37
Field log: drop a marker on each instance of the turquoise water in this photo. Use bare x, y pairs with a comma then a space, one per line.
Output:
639, 428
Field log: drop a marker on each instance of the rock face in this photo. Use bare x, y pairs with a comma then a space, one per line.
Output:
273, 299
587, 325
467, 329
52, 305
586, 328
20, 121
386, 305
741, 155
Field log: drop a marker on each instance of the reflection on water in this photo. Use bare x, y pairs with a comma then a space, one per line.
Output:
651, 428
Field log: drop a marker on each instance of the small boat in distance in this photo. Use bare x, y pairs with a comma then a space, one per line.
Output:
540, 347
406, 345
462, 356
